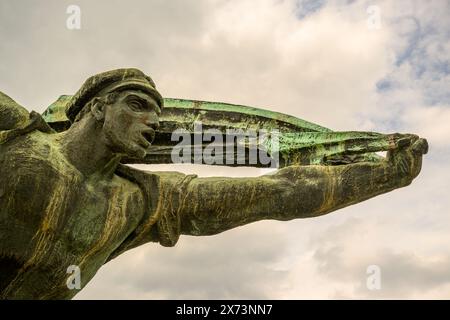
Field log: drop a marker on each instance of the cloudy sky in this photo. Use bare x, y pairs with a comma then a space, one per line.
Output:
348, 65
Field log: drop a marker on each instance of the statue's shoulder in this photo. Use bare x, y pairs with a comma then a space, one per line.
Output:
153, 178
12, 115
154, 183
31, 149
16, 121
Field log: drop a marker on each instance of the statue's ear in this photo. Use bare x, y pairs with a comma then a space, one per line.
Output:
98, 109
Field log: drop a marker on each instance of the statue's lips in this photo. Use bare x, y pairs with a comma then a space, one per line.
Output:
149, 135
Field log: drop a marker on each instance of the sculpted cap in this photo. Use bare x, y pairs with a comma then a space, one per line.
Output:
109, 81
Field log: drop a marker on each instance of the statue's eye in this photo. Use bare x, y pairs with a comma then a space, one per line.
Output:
135, 106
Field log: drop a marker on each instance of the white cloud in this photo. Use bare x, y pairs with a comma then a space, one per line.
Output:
431, 122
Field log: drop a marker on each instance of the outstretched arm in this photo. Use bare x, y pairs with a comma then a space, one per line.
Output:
213, 205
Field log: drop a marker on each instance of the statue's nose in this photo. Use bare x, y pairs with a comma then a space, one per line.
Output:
153, 122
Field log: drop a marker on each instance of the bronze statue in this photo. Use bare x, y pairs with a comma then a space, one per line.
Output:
67, 197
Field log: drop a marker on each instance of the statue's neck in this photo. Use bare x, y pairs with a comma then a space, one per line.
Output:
84, 146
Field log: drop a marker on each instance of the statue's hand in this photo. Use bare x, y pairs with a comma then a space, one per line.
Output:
407, 156
400, 140
420, 146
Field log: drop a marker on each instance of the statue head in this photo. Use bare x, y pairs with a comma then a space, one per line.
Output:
124, 104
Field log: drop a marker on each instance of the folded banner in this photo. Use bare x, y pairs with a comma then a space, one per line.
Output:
242, 135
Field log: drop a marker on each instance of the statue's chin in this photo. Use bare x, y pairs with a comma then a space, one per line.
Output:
129, 149
137, 152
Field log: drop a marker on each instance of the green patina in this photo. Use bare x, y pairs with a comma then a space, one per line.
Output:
67, 199
56, 113
299, 141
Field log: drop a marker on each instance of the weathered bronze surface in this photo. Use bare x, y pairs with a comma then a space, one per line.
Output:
67, 197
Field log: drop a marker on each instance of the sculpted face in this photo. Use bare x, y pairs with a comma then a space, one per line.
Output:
130, 123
